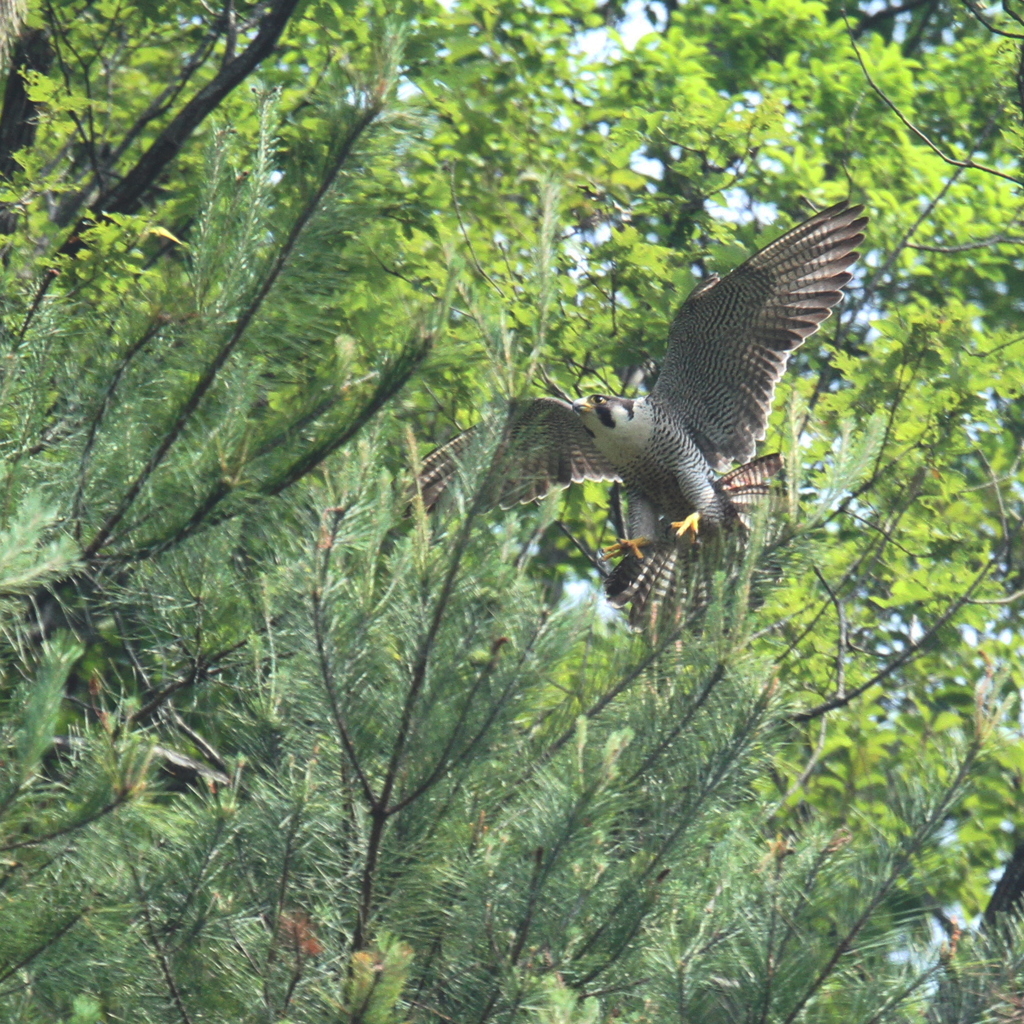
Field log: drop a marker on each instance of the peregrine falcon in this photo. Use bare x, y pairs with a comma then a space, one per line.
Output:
727, 348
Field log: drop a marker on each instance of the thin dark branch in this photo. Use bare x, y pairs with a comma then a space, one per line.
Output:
163, 102
392, 380
206, 381
327, 678
871, 551
202, 666
294, 821
975, 9
72, 203
417, 679
842, 639
204, 745
713, 679
905, 658
115, 378
465, 234
983, 243
157, 947
445, 763
128, 193
582, 548
42, 947
68, 829
952, 161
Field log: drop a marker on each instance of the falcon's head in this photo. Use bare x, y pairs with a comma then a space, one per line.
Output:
601, 412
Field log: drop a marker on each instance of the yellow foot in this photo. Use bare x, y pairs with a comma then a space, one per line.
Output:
621, 547
687, 525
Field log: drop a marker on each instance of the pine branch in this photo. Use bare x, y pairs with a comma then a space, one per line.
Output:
380, 812
156, 945
327, 679
191, 404
45, 945
445, 762
128, 193
910, 849
94, 424
709, 785
113, 805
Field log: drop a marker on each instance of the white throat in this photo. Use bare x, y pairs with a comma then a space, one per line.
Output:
627, 438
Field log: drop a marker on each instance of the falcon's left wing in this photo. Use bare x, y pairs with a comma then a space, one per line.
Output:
730, 342
544, 445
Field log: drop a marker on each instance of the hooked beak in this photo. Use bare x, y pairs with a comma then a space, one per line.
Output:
582, 405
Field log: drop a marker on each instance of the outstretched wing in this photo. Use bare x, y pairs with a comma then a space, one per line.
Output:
544, 445
730, 342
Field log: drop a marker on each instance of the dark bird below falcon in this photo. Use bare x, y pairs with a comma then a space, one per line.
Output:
728, 346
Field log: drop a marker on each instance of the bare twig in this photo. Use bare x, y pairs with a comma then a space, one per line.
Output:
952, 161
982, 243
975, 8
465, 234
582, 548
1009, 599
907, 656
841, 642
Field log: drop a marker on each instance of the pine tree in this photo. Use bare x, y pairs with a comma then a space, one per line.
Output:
279, 744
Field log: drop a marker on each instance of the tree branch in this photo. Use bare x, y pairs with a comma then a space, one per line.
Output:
128, 193
952, 161
907, 656
1009, 890
205, 382
18, 116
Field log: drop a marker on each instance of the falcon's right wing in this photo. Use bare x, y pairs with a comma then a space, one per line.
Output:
544, 445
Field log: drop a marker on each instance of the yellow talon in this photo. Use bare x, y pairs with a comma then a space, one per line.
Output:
687, 525
621, 547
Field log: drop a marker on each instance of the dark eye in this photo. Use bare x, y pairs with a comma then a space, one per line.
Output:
599, 399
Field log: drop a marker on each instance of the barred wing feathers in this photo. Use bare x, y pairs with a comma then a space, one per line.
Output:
730, 342
544, 446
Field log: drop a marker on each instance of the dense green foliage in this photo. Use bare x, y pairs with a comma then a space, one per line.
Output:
277, 745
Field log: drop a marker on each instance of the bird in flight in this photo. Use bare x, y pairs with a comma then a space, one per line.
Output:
727, 349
